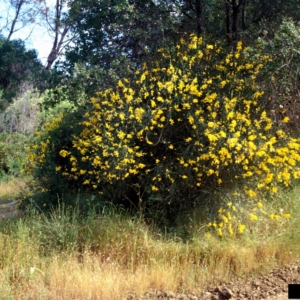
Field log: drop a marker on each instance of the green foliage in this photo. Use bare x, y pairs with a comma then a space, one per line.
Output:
18, 122
12, 153
21, 116
57, 100
281, 77
17, 66
189, 124
237, 215
55, 132
128, 29
130, 36
75, 89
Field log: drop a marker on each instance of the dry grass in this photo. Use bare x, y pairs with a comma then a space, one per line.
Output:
65, 277
11, 189
165, 265
111, 256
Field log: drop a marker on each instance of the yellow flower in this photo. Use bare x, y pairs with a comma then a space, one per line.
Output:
120, 84
239, 46
210, 172
219, 231
143, 77
122, 116
63, 153
121, 135
285, 120
274, 217
223, 83
253, 217
251, 193
274, 189
241, 228
225, 219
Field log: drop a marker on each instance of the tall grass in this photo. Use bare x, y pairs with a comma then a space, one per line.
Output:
109, 254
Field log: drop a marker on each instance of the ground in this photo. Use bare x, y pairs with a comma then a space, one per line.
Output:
273, 286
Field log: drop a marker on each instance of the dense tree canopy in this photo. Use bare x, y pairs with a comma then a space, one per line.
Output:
17, 66
116, 36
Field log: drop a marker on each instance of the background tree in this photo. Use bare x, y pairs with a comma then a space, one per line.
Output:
113, 38
111, 30
58, 24
19, 14
110, 33
17, 66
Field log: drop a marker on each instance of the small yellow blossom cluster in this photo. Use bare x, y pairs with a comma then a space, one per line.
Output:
37, 152
233, 220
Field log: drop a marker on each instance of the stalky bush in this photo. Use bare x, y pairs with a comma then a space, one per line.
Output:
189, 123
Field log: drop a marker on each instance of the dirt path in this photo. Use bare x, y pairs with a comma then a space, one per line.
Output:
273, 286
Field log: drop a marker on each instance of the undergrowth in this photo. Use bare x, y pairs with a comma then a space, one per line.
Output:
107, 253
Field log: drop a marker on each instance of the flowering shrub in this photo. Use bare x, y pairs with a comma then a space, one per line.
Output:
44, 161
190, 122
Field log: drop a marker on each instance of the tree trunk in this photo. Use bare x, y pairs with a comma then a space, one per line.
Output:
227, 12
198, 9
56, 48
233, 9
244, 27
235, 14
